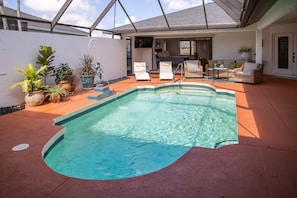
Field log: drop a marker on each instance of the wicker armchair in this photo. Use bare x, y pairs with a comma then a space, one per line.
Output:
210, 64
193, 69
255, 76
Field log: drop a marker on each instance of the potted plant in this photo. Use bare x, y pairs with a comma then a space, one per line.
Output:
87, 73
46, 57
31, 85
63, 74
56, 93
245, 52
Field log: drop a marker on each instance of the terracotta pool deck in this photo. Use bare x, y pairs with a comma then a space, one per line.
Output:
263, 164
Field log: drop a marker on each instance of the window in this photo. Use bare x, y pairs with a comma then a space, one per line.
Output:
283, 52
129, 55
13, 24
187, 48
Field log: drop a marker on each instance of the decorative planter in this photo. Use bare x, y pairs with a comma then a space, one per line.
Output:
34, 98
87, 81
65, 84
56, 99
246, 55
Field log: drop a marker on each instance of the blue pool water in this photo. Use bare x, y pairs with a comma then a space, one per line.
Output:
143, 131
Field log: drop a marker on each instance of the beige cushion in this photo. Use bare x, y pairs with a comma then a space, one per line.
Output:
139, 67
211, 63
249, 67
239, 64
192, 66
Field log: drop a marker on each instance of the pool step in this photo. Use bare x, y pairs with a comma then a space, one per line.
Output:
101, 92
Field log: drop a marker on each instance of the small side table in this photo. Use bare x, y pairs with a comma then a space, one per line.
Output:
154, 73
212, 71
220, 70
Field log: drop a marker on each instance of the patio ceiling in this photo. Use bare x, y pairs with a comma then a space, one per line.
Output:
201, 15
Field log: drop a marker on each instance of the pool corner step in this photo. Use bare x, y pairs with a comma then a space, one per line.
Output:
100, 92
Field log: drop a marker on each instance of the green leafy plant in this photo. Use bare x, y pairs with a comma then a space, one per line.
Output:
46, 57
56, 93
32, 81
63, 72
245, 49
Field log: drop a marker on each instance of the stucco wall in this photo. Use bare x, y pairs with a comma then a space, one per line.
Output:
17, 49
268, 43
143, 55
226, 44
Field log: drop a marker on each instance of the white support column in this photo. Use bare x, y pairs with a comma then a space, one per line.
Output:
259, 47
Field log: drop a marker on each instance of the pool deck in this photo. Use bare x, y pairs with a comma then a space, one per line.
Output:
263, 164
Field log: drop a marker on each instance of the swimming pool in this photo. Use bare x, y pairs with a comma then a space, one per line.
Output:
142, 131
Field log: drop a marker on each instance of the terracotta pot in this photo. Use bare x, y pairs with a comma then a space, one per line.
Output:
66, 85
34, 98
56, 99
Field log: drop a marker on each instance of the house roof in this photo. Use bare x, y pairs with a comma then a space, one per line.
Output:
41, 25
220, 14
188, 19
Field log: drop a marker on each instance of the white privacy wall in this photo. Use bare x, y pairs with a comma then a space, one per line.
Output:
17, 49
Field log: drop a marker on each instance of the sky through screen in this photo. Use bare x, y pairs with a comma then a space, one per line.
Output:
85, 12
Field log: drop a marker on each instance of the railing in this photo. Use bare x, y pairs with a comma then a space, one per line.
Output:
181, 66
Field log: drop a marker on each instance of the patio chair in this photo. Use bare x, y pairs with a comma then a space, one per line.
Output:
251, 73
140, 71
193, 69
166, 70
210, 65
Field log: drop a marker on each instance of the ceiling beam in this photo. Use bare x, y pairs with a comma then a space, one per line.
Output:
205, 16
254, 10
236, 4
164, 14
231, 7
101, 16
127, 15
59, 14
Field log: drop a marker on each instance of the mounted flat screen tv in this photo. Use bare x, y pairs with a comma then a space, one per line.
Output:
143, 42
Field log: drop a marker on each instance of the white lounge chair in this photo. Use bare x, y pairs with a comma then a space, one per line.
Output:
166, 70
140, 71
